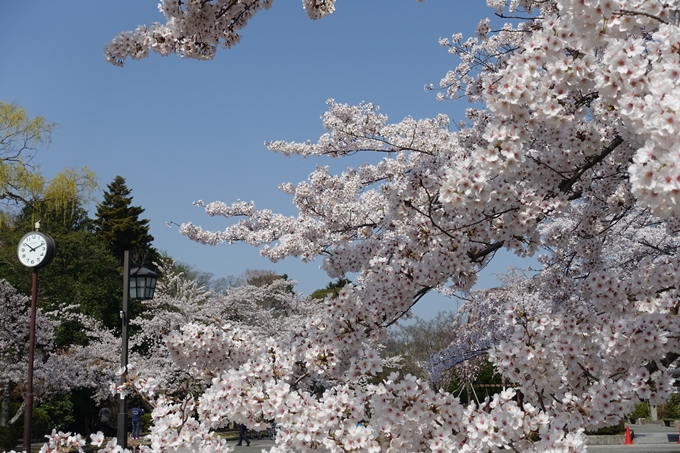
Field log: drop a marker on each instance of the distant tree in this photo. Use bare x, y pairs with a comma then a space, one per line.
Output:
203, 279
19, 139
118, 225
333, 288
261, 277
416, 342
21, 182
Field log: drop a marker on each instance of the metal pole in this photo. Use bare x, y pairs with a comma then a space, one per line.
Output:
125, 314
28, 399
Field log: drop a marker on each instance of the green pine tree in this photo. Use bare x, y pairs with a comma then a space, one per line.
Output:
118, 225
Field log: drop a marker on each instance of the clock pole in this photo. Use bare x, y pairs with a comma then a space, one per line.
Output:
28, 400
35, 250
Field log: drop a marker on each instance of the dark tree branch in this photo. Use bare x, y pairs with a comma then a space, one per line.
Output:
566, 185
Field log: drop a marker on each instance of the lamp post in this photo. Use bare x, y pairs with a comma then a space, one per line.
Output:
138, 284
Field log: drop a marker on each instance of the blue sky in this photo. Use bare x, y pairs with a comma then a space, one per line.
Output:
182, 130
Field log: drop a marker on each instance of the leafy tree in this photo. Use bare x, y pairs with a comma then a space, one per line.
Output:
83, 271
641, 410
21, 182
333, 288
487, 382
59, 409
19, 139
672, 408
118, 225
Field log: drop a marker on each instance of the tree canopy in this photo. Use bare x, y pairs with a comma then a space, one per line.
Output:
119, 227
21, 182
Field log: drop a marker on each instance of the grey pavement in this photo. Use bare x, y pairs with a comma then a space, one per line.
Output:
256, 445
635, 448
649, 438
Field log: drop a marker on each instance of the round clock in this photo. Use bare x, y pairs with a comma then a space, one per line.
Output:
36, 249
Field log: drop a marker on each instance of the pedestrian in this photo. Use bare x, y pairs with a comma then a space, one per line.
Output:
137, 413
242, 435
271, 430
104, 418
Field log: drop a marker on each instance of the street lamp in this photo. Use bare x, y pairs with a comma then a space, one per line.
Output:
137, 285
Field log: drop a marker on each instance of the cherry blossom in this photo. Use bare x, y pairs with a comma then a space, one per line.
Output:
570, 152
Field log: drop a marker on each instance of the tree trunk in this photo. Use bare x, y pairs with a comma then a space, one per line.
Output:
19, 413
4, 406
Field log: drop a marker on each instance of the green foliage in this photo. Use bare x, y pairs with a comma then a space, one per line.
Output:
333, 288
40, 423
641, 410
147, 422
59, 410
671, 410
19, 138
119, 227
21, 182
619, 428
83, 271
63, 195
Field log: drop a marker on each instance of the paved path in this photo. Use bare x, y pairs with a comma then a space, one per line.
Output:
649, 438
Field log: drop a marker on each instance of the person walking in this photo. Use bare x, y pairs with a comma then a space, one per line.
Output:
137, 413
242, 435
104, 416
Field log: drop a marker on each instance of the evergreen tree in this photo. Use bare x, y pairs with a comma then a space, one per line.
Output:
118, 225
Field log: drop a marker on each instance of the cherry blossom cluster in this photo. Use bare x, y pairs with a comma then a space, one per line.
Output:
196, 28
572, 153
55, 370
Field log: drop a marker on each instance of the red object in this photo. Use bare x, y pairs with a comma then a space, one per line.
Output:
629, 440
679, 434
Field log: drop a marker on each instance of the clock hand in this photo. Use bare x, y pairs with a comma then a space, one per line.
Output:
32, 249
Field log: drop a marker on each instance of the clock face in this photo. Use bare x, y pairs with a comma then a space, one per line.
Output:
35, 249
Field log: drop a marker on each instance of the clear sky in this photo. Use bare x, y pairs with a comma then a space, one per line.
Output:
183, 130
